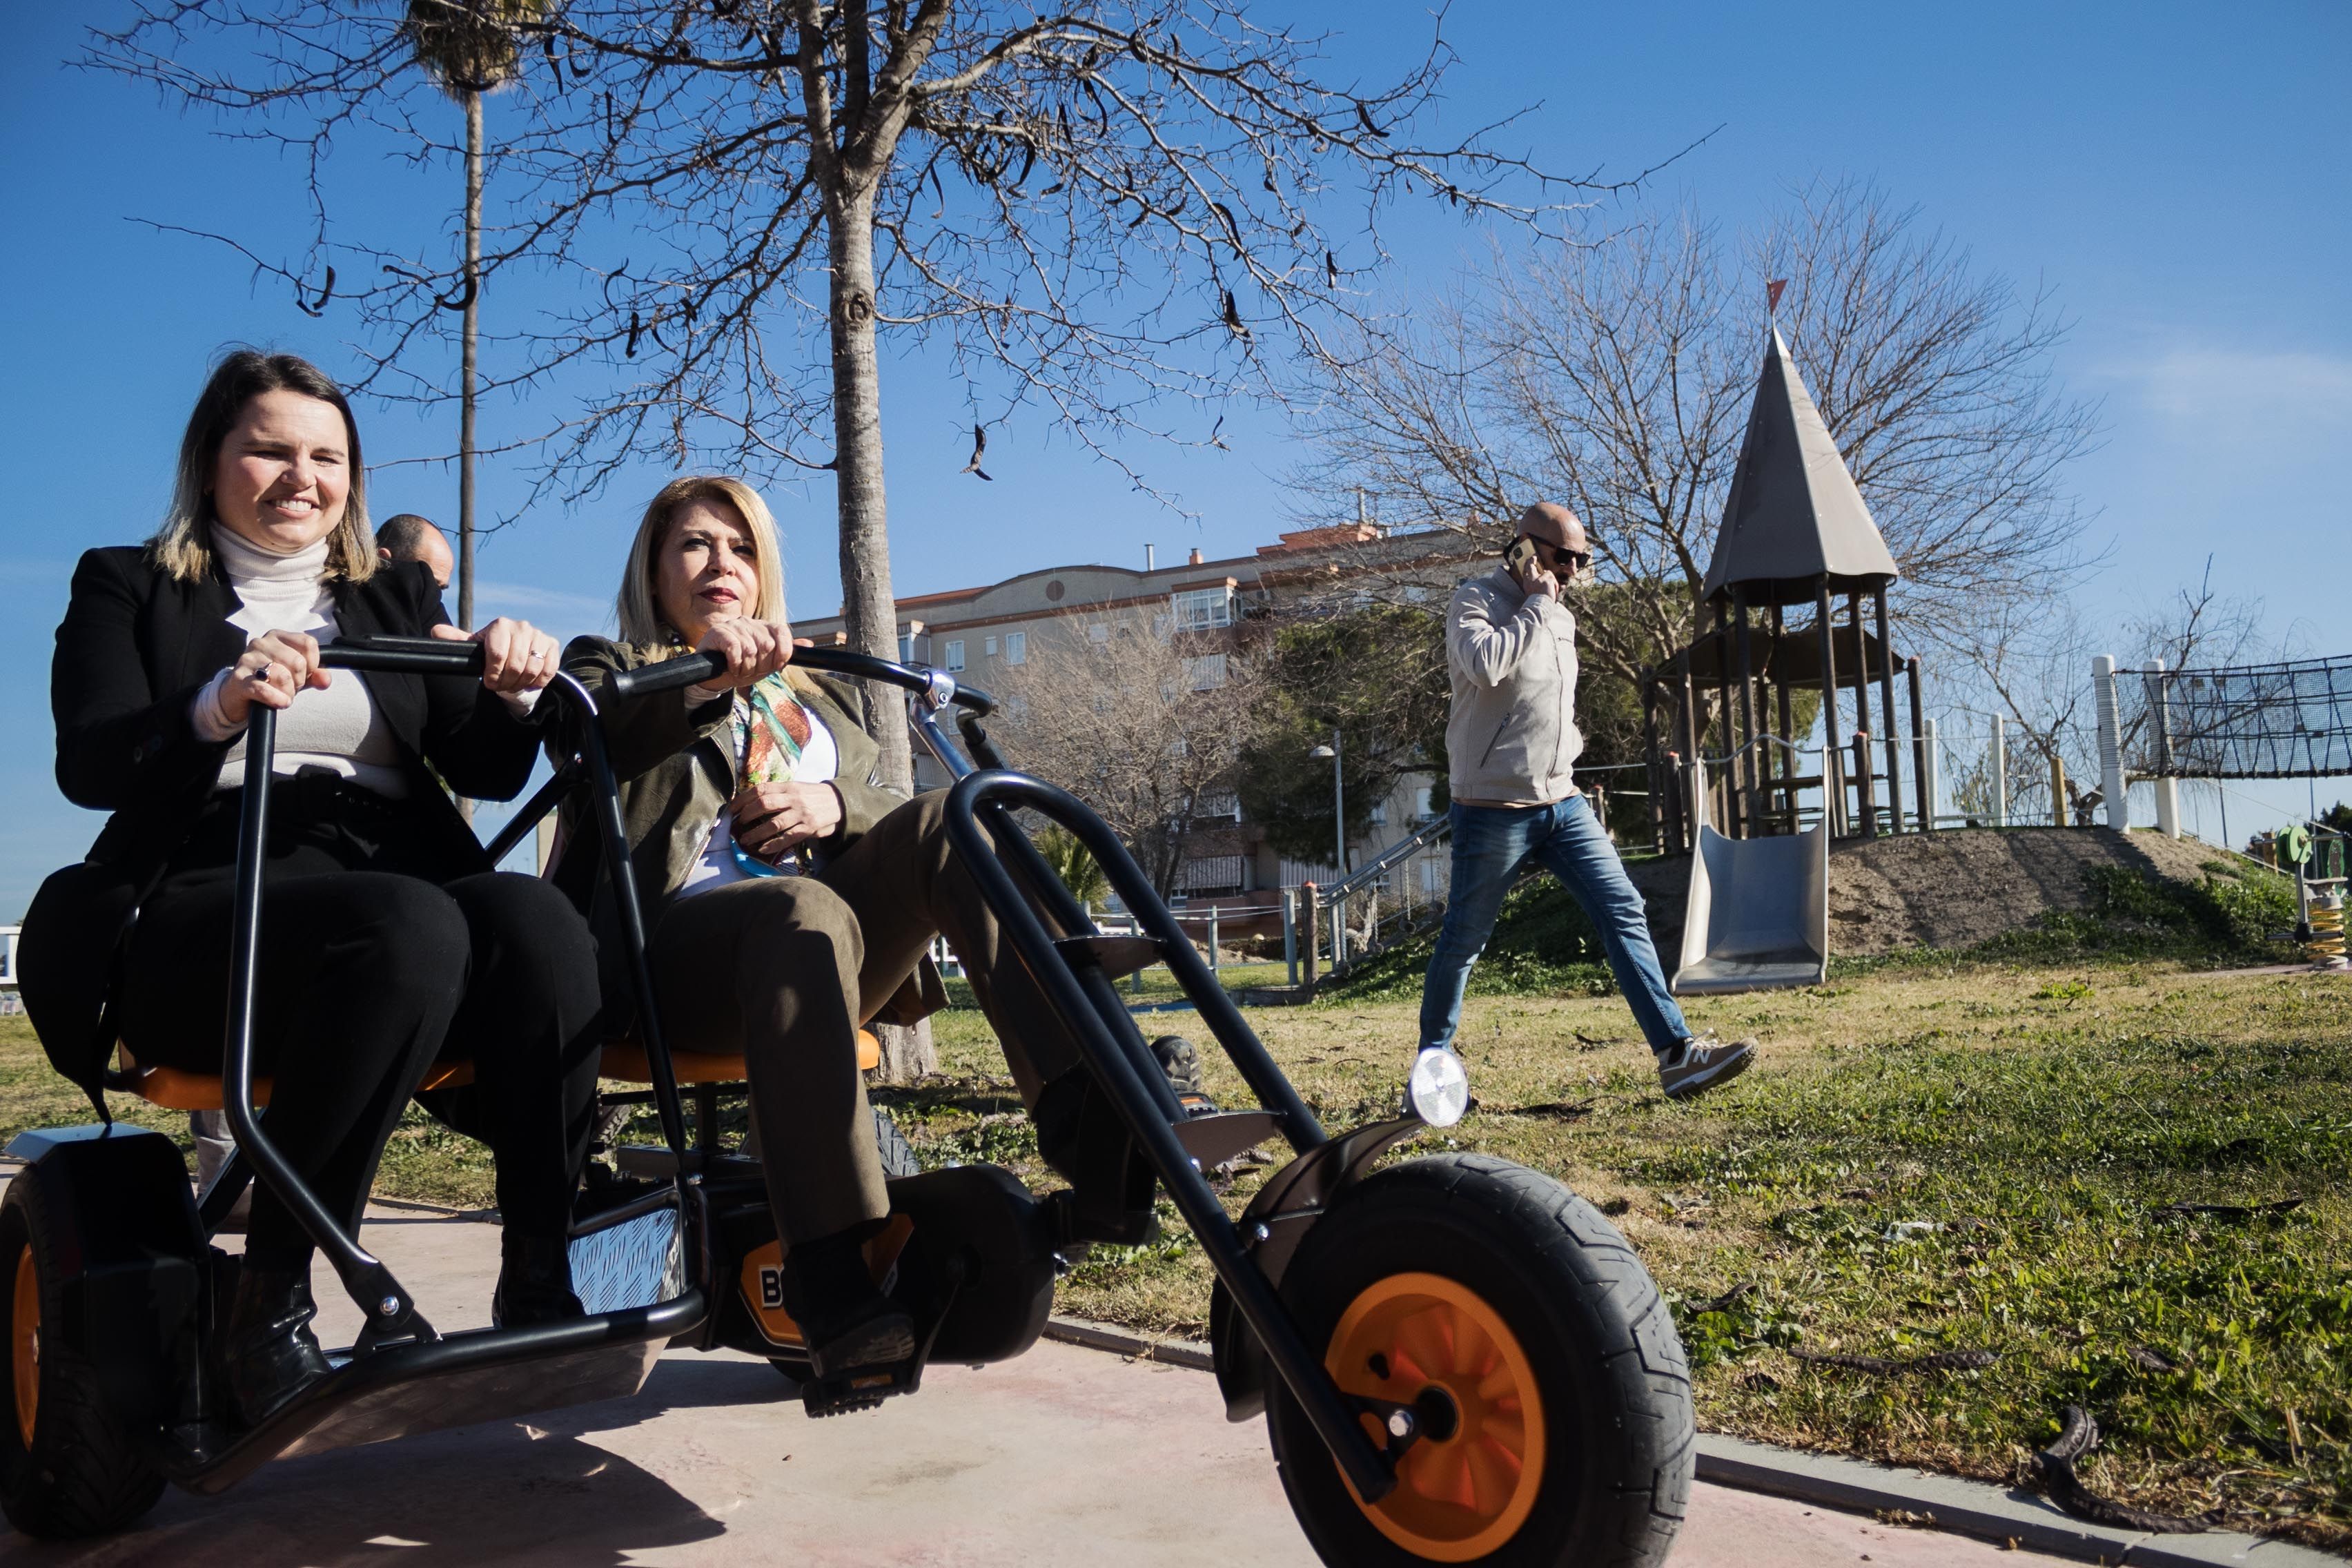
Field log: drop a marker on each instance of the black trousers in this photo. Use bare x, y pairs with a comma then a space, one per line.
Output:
366, 978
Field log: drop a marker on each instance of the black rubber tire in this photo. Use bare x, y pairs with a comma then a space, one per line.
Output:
898, 1154
82, 1475
1597, 1337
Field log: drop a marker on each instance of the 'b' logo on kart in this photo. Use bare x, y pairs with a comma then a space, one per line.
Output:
771, 1288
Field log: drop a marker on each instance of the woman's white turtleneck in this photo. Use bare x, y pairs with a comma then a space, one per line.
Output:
337, 729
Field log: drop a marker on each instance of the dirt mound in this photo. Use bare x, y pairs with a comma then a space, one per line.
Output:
1951, 889
1958, 887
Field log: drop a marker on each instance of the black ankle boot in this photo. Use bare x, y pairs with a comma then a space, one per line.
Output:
846, 1320
534, 1282
267, 1351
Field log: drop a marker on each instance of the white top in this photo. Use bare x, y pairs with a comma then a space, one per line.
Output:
716, 866
340, 728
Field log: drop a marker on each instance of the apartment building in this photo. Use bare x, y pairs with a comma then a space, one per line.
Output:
981, 632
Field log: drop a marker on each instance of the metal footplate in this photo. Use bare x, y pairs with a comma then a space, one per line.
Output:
1116, 956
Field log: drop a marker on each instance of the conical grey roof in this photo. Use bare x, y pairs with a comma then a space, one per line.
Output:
1793, 513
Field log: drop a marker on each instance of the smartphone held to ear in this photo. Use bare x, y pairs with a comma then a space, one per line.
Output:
1520, 558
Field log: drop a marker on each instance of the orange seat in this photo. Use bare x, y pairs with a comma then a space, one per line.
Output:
625, 1060
177, 1089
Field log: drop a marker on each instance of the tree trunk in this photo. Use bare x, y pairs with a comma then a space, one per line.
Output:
869, 611
470, 286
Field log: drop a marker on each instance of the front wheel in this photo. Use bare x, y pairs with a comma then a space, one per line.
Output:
68, 1468
1503, 1322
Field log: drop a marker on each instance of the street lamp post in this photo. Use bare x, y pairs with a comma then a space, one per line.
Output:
1339, 801
1339, 835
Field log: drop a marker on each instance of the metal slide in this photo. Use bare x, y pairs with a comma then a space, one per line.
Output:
1759, 914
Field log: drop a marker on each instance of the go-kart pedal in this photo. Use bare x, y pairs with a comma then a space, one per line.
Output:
1181, 1060
863, 1388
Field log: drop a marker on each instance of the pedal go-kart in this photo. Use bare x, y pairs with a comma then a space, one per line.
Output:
1459, 1361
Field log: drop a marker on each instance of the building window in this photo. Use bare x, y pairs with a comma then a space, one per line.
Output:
1098, 632
906, 648
987, 647
955, 653
1207, 672
1198, 610
1016, 647
1211, 874
1380, 814
1217, 803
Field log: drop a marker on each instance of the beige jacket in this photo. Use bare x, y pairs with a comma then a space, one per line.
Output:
1511, 657
677, 770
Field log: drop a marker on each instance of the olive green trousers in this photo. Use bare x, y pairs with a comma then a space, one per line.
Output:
784, 970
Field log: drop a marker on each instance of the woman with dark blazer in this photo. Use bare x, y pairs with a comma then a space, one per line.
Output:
388, 942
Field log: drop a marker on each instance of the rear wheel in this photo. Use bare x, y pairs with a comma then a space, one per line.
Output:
1512, 1330
67, 1466
898, 1154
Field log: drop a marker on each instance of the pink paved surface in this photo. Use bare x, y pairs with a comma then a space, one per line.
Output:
1066, 1457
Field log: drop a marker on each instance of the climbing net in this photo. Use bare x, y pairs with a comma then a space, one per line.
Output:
2247, 721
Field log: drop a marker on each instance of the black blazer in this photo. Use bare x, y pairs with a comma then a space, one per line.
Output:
135, 647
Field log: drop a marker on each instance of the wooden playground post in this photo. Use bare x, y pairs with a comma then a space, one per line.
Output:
1758, 765
1311, 954
1865, 795
1788, 721
1920, 745
1832, 743
1886, 722
1694, 770
2057, 792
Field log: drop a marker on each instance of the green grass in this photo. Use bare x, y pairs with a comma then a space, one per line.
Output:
1966, 1156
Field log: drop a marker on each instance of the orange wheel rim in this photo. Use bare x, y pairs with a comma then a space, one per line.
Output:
1467, 1483
24, 1344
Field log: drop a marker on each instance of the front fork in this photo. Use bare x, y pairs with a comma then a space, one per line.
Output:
1075, 971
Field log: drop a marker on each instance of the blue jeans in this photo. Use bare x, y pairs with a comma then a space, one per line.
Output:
1490, 845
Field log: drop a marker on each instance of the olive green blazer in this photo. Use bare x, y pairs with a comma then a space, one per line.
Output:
677, 764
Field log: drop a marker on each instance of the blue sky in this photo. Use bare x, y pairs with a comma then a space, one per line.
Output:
2178, 173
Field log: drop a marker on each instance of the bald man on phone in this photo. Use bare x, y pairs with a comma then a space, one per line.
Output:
1511, 745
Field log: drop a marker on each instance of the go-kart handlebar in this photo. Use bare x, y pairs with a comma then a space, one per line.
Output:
403, 656
693, 668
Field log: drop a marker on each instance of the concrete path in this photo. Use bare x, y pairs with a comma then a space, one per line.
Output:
1066, 1457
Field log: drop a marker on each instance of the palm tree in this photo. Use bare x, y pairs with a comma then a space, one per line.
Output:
469, 47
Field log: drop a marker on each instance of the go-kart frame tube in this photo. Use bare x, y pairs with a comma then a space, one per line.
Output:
1335, 1421
388, 1309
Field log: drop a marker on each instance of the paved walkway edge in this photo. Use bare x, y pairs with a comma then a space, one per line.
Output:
1858, 1486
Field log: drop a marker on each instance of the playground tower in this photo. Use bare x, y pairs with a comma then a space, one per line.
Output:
1721, 715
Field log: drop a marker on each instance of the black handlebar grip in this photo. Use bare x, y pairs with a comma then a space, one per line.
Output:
669, 675
403, 656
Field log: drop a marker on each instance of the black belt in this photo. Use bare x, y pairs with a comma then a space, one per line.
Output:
316, 806
318, 797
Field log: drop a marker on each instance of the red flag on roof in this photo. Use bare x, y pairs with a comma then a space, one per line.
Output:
1772, 293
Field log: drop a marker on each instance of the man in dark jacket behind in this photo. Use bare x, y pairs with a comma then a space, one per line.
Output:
1511, 745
